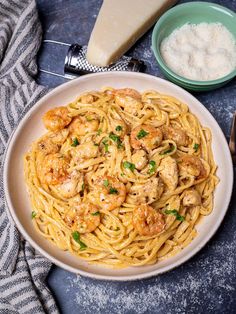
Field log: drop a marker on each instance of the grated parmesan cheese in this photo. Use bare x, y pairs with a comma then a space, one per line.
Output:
200, 52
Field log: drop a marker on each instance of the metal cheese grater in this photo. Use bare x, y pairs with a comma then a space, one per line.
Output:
77, 64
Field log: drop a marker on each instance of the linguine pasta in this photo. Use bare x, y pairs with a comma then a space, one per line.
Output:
121, 178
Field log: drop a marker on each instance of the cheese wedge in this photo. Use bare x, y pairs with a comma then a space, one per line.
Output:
120, 23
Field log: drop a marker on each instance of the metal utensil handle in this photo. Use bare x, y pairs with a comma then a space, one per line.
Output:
232, 141
76, 62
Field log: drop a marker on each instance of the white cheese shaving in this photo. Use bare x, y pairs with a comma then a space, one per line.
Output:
200, 52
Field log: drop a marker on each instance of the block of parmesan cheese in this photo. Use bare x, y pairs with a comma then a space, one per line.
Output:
120, 23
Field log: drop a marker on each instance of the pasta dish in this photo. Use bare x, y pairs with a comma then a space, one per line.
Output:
121, 178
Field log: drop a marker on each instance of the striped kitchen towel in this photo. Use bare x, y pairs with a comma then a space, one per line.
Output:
22, 270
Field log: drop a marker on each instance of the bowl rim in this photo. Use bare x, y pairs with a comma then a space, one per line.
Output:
10, 208
156, 50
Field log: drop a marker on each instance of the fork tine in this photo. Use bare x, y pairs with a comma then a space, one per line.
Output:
232, 141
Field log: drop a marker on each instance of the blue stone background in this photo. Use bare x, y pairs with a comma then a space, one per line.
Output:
204, 284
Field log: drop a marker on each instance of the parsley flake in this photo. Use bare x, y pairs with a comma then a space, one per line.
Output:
175, 213
75, 142
76, 237
89, 118
195, 147
106, 183
129, 165
116, 139
142, 133
170, 150
96, 214
33, 214
83, 246
152, 165
119, 128
113, 191
105, 145
99, 131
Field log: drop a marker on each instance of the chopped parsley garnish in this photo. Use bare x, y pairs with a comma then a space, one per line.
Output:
83, 246
175, 213
152, 165
106, 148
33, 214
142, 133
95, 214
170, 150
104, 142
113, 191
129, 165
106, 183
75, 142
76, 237
96, 144
119, 128
195, 147
89, 118
83, 186
99, 131
122, 174
116, 139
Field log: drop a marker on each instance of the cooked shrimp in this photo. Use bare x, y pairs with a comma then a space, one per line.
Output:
84, 151
46, 146
191, 198
109, 193
147, 221
139, 158
72, 185
82, 125
168, 171
129, 99
54, 169
128, 92
177, 135
145, 193
59, 137
51, 144
192, 165
84, 218
57, 118
145, 136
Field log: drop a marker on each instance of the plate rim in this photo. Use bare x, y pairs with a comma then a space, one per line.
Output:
19, 226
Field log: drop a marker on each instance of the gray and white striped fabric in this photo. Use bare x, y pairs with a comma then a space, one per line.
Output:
22, 270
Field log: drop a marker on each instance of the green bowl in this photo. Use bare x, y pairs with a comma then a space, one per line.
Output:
193, 13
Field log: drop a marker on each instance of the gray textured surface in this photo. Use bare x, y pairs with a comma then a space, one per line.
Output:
206, 283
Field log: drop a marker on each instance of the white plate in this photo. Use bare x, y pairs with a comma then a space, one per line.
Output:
31, 127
